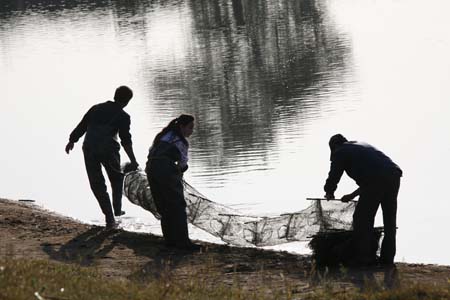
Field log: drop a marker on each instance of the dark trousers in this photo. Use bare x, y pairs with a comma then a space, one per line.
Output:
94, 160
382, 192
168, 195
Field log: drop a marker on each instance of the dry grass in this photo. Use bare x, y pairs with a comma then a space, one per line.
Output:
39, 279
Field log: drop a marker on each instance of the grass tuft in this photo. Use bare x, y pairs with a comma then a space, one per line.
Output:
46, 280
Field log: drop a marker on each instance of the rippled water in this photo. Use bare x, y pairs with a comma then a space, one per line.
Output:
268, 83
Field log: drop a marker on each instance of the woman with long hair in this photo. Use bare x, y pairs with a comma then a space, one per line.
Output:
166, 163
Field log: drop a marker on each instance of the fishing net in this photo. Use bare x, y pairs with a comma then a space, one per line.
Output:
241, 230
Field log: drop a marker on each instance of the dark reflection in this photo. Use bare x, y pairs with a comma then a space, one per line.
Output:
255, 67
44, 6
248, 70
9, 6
238, 12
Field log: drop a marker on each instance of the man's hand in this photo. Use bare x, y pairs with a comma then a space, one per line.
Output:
329, 196
347, 198
133, 165
69, 147
351, 196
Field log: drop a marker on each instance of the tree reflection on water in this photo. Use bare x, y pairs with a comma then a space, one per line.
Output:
248, 70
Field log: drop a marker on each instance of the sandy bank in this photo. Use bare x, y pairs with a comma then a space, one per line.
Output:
29, 231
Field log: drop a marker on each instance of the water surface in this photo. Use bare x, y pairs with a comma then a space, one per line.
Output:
268, 82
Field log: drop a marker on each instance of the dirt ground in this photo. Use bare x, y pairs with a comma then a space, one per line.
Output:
29, 231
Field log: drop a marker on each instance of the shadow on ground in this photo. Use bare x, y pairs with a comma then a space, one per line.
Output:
143, 257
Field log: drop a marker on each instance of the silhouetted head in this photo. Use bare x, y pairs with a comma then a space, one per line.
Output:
123, 95
183, 126
336, 141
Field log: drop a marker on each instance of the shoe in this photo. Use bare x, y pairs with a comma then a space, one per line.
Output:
118, 214
111, 226
189, 247
385, 262
386, 265
169, 244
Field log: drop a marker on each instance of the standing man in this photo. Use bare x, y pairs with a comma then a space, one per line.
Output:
101, 124
378, 178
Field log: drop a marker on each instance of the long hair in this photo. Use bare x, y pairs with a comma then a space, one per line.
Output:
175, 126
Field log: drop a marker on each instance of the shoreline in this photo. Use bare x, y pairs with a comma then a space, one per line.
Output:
28, 231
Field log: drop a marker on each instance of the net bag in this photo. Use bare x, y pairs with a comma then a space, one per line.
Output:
238, 229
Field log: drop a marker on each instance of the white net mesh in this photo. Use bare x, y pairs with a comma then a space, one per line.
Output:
241, 230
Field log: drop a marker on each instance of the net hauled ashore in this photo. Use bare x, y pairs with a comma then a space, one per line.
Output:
242, 230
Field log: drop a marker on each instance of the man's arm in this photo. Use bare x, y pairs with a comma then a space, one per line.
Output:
129, 151
69, 147
125, 138
351, 196
334, 176
77, 133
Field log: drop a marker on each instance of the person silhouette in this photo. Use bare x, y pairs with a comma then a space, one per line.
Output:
378, 178
101, 124
166, 163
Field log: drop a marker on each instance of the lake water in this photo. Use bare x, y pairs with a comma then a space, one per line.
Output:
268, 82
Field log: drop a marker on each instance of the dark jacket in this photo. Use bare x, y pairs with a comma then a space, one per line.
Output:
163, 161
101, 124
362, 162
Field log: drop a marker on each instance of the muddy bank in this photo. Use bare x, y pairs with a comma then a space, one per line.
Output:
29, 231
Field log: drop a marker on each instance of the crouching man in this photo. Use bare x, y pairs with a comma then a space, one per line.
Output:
378, 178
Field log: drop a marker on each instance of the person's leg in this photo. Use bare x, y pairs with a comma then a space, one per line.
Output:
178, 218
363, 222
389, 208
180, 226
159, 197
112, 167
97, 183
168, 193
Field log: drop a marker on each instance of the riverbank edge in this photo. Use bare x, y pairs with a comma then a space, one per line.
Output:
31, 232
